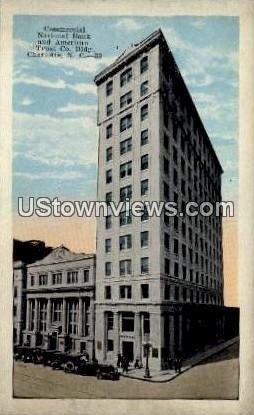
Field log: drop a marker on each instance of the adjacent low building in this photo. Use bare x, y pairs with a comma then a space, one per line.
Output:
60, 302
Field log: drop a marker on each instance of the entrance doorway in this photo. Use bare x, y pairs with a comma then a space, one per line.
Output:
127, 350
53, 340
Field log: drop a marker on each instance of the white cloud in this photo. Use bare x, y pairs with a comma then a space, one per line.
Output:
51, 175
198, 24
36, 80
83, 88
56, 141
26, 101
129, 23
78, 108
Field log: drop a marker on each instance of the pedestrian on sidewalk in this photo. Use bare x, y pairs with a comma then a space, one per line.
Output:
119, 360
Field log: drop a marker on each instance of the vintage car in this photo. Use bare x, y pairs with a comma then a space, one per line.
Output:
27, 354
48, 356
59, 360
80, 365
107, 372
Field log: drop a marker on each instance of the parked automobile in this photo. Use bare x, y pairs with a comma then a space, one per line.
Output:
107, 372
48, 357
59, 360
27, 354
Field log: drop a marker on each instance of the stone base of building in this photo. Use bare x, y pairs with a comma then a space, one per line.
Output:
60, 342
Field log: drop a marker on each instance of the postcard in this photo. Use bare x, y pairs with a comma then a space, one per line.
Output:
127, 157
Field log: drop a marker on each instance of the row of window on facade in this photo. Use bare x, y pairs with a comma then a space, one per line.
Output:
56, 316
125, 242
126, 145
200, 150
126, 76
125, 292
126, 121
125, 268
171, 292
72, 277
126, 169
126, 99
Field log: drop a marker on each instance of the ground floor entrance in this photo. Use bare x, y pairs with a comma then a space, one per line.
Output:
127, 350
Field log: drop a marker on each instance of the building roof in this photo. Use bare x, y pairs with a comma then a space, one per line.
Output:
61, 254
130, 54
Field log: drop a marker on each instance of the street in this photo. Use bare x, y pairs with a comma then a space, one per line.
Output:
214, 378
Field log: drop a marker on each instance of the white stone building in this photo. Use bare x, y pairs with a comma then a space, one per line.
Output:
153, 147
60, 291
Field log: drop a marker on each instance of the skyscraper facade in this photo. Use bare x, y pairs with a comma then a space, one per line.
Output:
154, 273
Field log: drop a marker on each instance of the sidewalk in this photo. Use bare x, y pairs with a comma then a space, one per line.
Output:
167, 375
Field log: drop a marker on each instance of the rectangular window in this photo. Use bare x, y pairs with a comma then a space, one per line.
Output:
176, 248
166, 166
109, 154
177, 293
176, 270
43, 279
109, 110
32, 280
144, 162
176, 222
108, 197
109, 88
108, 268
86, 275
144, 137
166, 240
57, 278
125, 219
107, 292
144, 64
57, 310
146, 323
109, 176
144, 290
166, 266
126, 99
144, 187
73, 317
145, 215
110, 345
167, 292
110, 321
72, 277
166, 141
125, 291
144, 265
109, 131
175, 155
125, 77
125, 169
184, 250
125, 122
125, 146
108, 222
144, 88
166, 191
184, 272
125, 267
175, 177
127, 322
144, 239
107, 245
125, 242
144, 112
125, 193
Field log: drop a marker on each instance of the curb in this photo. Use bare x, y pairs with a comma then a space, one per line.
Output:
186, 368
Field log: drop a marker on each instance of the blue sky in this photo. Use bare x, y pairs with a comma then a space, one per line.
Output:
54, 100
